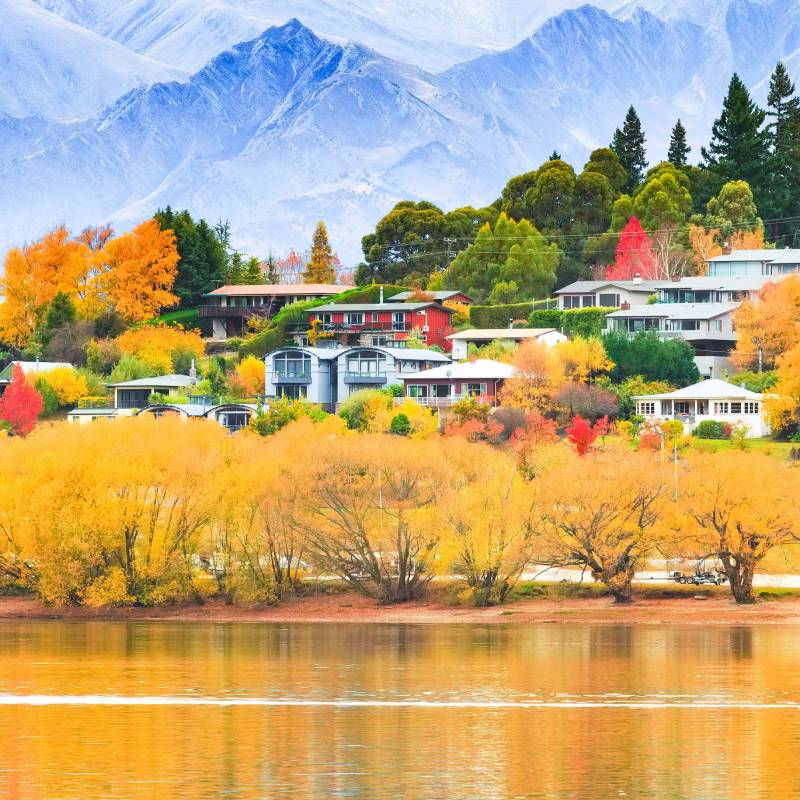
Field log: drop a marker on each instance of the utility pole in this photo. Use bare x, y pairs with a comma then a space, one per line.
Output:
760, 349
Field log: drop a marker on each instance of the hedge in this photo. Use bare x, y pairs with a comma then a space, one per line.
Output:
584, 322
275, 335
499, 316
546, 318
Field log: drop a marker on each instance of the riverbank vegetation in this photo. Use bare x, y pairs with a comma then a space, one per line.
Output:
150, 511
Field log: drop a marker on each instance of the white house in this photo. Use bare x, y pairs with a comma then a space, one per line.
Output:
712, 399
328, 375
445, 385
136, 393
606, 293
461, 340
755, 263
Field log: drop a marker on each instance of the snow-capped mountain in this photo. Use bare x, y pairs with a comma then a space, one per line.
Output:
54, 68
290, 127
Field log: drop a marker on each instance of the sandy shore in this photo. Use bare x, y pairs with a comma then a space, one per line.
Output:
346, 608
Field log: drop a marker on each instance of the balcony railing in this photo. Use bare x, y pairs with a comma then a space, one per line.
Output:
365, 377
227, 312
292, 376
446, 402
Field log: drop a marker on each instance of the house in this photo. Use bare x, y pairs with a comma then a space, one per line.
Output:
606, 294
328, 375
29, 368
755, 263
712, 399
83, 416
233, 416
461, 340
703, 289
230, 307
380, 323
708, 327
136, 393
447, 295
440, 387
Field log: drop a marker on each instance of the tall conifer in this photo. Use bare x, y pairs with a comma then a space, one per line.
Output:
678, 147
629, 144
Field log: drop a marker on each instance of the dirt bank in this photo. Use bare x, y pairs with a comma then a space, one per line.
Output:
347, 608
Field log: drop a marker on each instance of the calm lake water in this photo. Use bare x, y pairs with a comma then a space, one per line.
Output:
150, 710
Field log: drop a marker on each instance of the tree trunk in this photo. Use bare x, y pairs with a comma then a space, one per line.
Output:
620, 584
741, 580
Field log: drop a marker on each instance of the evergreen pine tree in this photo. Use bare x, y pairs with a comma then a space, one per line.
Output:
252, 273
236, 269
678, 148
782, 193
555, 156
739, 148
271, 272
628, 144
320, 267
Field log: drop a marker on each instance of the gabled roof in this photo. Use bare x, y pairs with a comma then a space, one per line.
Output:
398, 353
277, 290
347, 307
593, 286
677, 310
481, 368
490, 334
784, 256
712, 389
32, 367
437, 295
160, 381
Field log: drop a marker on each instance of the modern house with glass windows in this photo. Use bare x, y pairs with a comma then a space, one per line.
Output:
378, 324
511, 337
328, 375
755, 263
708, 327
713, 399
704, 289
440, 387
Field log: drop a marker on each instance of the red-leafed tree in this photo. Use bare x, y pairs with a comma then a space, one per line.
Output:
634, 255
583, 435
21, 404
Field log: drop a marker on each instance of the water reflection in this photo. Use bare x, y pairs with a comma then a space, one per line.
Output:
474, 752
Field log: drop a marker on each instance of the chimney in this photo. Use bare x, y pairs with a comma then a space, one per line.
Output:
193, 373
637, 279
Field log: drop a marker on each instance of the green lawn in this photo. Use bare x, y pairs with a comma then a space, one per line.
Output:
189, 318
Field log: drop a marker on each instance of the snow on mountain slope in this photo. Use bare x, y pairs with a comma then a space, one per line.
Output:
433, 34
54, 68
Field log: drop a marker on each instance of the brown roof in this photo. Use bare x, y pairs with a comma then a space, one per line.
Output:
278, 289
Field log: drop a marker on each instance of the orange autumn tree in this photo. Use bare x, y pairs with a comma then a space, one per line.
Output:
136, 272
158, 345
250, 376
538, 373
772, 323
705, 244
33, 275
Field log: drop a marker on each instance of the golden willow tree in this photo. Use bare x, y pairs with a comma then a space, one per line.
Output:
321, 266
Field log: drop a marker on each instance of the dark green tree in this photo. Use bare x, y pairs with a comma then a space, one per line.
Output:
739, 147
679, 149
60, 312
203, 261
654, 358
629, 144
605, 161
253, 273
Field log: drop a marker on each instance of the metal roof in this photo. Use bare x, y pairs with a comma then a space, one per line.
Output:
465, 370
676, 311
347, 307
490, 334
437, 295
594, 286
166, 381
277, 290
712, 389
729, 283
399, 353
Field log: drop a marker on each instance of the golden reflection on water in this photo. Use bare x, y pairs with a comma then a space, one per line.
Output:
477, 752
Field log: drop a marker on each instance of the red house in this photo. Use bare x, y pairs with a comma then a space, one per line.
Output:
379, 324
440, 387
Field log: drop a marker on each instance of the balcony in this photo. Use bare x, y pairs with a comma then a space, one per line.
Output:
291, 376
235, 312
446, 402
353, 327
366, 378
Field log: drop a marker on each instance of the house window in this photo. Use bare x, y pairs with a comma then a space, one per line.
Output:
681, 406
374, 316
475, 389
354, 318
292, 392
721, 407
750, 407
418, 391
399, 321
716, 325
441, 390
292, 365
736, 408
609, 300
366, 363
327, 319
647, 408
578, 300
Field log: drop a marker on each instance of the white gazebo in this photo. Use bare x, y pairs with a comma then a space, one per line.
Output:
712, 399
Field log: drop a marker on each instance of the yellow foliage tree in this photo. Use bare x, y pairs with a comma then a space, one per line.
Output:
251, 376
740, 508
155, 345
538, 373
67, 385
423, 421
583, 358
136, 272
771, 324
705, 244
782, 403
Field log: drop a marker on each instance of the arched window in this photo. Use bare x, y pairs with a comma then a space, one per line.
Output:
366, 363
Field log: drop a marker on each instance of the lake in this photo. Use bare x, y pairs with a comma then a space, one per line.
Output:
170, 710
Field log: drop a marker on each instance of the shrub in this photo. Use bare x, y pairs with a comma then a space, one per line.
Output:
586, 400
470, 408
673, 431
94, 401
499, 315
400, 426
110, 589
586, 322
545, 318
280, 412
626, 429
361, 409
738, 436
755, 381
709, 429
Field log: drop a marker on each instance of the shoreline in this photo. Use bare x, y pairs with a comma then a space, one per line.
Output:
353, 609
